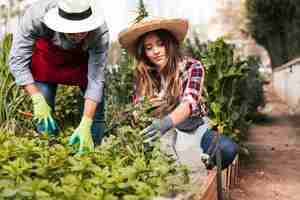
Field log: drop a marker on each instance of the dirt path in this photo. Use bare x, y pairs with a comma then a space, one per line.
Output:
273, 173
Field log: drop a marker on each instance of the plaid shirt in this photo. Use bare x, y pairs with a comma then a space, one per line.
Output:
191, 85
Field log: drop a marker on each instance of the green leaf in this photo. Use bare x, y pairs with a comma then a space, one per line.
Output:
8, 192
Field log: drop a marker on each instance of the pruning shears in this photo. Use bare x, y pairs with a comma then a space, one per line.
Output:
26, 114
30, 115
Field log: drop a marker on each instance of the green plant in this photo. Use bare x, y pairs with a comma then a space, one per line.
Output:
69, 104
274, 24
119, 86
45, 168
13, 98
232, 88
221, 86
142, 12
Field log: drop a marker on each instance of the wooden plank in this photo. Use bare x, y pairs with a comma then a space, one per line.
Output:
210, 189
224, 179
230, 175
233, 174
237, 170
229, 178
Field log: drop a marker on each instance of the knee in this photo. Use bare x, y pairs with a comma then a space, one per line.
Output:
227, 147
229, 150
98, 130
99, 114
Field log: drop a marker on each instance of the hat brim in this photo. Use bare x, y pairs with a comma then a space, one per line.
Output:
59, 24
129, 36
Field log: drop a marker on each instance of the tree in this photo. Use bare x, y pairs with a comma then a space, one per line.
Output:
120, 92
142, 12
275, 24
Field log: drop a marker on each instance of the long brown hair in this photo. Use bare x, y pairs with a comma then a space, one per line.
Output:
146, 73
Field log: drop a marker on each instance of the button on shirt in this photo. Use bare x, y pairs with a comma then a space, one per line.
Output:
32, 27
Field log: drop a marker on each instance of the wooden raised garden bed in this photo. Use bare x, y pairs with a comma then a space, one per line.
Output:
229, 180
209, 186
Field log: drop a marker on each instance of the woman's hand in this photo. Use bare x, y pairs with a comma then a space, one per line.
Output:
156, 101
157, 129
135, 119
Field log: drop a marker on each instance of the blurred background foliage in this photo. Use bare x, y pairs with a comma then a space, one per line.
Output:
275, 24
233, 87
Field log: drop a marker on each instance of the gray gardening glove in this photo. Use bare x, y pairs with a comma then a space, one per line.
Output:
158, 128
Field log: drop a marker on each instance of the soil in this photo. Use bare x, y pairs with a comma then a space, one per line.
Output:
272, 169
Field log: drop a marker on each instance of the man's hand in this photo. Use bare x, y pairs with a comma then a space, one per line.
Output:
83, 135
42, 113
158, 128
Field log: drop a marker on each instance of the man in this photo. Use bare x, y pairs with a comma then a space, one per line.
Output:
63, 42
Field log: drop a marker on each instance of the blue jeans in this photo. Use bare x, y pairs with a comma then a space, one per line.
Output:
98, 126
228, 148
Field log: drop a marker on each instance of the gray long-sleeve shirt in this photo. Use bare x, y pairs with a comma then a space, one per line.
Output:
32, 27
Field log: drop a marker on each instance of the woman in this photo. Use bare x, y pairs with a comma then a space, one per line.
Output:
162, 72
63, 42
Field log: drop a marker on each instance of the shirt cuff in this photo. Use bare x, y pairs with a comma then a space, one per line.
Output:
94, 92
24, 79
193, 105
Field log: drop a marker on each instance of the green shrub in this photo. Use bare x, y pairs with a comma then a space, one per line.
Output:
233, 89
34, 167
275, 25
45, 168
119, 86
69, 101
13, 98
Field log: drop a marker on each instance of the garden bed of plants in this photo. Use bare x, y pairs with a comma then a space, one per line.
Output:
34, 166
43, 168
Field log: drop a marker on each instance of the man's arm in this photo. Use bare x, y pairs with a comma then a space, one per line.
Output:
98, 55
89, 108
29, 28
31, 89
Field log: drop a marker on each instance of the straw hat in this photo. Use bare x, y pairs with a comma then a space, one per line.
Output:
74, 16
129, 36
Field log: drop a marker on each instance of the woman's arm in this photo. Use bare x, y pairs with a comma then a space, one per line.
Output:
181, 113
192, 94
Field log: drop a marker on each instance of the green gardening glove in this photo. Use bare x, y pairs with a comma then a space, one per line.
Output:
42, 113
83, 135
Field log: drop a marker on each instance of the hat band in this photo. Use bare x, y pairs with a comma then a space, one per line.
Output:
75, 16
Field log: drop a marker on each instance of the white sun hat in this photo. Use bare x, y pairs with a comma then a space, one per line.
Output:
75, 16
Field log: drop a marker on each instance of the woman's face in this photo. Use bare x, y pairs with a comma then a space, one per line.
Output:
76, 37
155, 50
